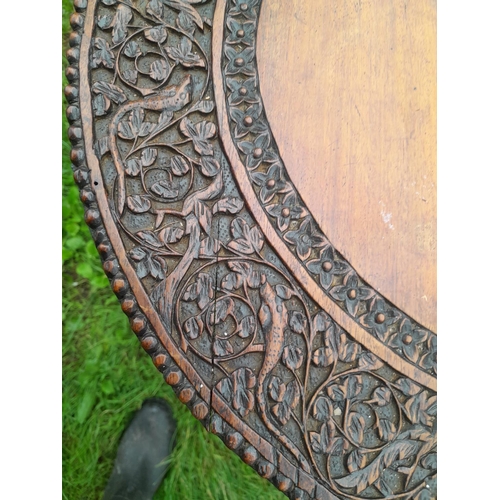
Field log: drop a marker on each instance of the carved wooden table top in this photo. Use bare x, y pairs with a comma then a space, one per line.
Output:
240, 275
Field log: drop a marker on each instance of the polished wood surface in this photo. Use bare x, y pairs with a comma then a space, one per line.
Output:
350, 92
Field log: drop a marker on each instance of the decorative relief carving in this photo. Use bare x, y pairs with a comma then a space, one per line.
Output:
287, 212
260, 363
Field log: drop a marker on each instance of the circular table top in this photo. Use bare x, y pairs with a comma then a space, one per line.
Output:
265, 330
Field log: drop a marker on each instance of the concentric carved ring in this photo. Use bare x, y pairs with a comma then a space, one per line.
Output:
266, 333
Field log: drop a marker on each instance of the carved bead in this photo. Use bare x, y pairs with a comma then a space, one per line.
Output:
200, 410
119, 287
283, 483
266, 469
407, 339
149, 343
74, 39
160, 360
248, 120
352, 294
186, 395
239, 61
77, 157
285, 212
233, 440
92, 218
104, 250
250, 455
80, 5
244, 7
81, 177
87, 196
71, 73
74, 133
257, 152
270, 183
76, 20
72, 113
138, 325
243, 91
71, 94
240, 33
173, 377
129, 307
72, 55
111, 268
327, 266
380, 318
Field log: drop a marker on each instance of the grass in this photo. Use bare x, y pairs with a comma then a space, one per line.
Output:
107, 375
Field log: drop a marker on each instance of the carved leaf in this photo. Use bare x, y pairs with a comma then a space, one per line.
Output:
349, 351
179, 166
137, 254
292, 394
256, 238
148, 156
232, 281
420, 408
132, 49
223, 308
122, 17
277, 389
323, 357
102, 54
429, 461
356, 426
382, 395
183, 54
171, 234
101, 104
225, 387
356, 460
209, 166
230, 205
202, 290
125, 130
369, 362
293, 357
158, 70
205, 106
243, 380
321, 322
101, 147
150, 237
164, 189
199, 133
193, 327
386, 429
246, 327
209, 246
130, 75
111, 91
353, 386
156, 34
284, 292
132, 167
361, 479
204, 215
155, 8
297, 322
325, 442
222, 347
185, 7
322, 409
138, 204
407, 386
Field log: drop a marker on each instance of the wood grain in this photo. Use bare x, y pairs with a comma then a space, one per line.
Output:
350, 92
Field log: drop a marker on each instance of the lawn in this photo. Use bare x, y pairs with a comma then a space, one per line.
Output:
107, 375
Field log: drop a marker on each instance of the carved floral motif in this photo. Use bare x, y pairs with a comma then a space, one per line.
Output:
281, 365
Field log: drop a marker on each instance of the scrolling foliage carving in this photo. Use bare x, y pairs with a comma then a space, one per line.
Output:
278, 370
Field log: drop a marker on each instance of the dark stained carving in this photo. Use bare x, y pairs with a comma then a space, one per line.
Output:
222, 315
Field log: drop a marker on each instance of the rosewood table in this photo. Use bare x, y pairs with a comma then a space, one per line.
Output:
271, 233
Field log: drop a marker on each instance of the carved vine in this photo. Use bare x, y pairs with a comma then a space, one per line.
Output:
339, 412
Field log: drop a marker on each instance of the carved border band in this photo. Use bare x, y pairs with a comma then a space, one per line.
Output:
293, 383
